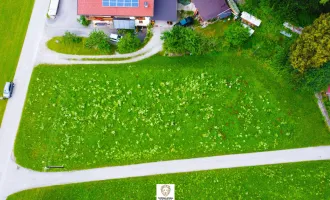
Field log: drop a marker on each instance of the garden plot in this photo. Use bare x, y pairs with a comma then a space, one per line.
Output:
161, 109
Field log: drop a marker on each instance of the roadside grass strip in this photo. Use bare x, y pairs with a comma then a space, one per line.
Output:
309, 180
14, 20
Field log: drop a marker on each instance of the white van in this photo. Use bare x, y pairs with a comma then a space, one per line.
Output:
8, 90
115, 37
53, 7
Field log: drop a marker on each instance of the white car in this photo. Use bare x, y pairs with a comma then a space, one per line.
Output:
115, 37
8, 90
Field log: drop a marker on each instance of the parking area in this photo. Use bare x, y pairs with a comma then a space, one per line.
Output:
66, 20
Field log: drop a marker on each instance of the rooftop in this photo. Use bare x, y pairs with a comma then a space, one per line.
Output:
166, 10
96, 8
250, 18
209, 9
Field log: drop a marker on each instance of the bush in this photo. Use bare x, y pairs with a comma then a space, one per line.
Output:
148, 36
182, 40
98, 40
236, 35
128, 43
69, 38
125, 31
314, 80
83, 21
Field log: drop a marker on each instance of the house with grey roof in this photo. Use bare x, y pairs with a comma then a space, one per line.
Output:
210, 9
165, 10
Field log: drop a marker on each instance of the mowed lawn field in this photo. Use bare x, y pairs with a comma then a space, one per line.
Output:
14, 20
310, 180
161, 109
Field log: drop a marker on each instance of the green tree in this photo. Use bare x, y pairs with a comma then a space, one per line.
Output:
69, 38
311, 49
324, 1
129, 43
314, 80
98, 40
181, 40
236, 34
83, 20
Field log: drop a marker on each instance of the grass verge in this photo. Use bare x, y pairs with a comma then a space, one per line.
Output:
57, 44
216, 29
308, 180
14, 19
161, 109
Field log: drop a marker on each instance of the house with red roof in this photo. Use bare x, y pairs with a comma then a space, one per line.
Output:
127, 14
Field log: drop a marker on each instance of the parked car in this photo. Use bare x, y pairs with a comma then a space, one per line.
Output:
115, 37
8, 90
185, 22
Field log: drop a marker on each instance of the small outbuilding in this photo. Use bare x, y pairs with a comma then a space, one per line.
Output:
250, 19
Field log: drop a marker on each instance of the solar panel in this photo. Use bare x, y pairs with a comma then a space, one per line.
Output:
120, 3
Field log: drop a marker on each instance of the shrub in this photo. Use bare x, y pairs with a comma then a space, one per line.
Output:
236, 35
98, 40
125, 31
83, 21
314, 80
148, 36
129, 43
182, 40
69, 38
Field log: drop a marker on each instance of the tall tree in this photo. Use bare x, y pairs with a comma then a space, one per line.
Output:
236, 34
323, 1
311, 49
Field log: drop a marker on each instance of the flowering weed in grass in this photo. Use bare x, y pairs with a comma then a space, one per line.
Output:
161, 109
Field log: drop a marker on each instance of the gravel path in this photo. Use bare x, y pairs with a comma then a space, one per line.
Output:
323, 109
25, 179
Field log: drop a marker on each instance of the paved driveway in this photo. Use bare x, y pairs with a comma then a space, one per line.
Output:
66, 20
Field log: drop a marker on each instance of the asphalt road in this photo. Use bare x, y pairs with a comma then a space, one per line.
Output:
24, 70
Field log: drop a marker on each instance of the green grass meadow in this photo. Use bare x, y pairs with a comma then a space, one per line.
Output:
57, 44
161, 109
216, 29
310, 180
14, 20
